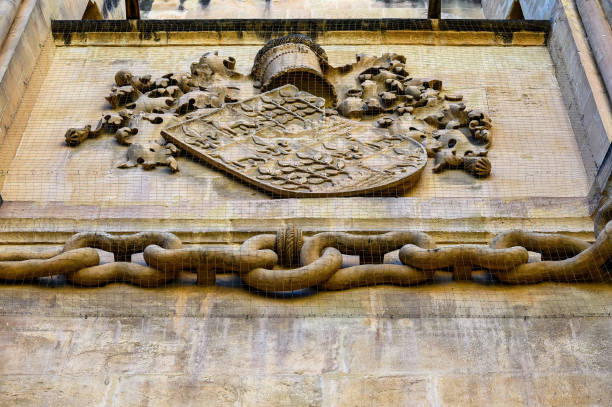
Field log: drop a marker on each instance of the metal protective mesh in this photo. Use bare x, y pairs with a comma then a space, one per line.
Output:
539, 182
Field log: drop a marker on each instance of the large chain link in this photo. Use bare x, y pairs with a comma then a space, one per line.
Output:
288, 261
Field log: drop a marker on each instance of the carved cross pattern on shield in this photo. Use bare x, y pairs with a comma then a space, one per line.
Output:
284, 142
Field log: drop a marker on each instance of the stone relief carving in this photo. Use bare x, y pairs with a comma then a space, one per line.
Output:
297, 126
151, 155
76, 136
124, 135
290, 261
285, 142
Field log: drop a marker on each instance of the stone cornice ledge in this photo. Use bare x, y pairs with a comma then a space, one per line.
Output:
473, 220
325, 32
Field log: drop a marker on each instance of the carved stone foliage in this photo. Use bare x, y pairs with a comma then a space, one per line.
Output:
150, 156
76, 136
297, 126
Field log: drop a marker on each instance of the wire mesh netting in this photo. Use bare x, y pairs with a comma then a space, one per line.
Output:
325, 161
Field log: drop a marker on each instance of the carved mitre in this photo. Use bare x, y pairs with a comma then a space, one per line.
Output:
297, 60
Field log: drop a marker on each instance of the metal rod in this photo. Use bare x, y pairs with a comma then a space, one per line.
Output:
132, 11
434, 10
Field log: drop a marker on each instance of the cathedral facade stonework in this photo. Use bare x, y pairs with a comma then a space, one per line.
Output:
340, 209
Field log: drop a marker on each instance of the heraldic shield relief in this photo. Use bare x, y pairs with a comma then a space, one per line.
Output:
297, 126
284, 142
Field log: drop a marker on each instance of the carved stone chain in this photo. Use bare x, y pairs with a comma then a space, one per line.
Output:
288, 261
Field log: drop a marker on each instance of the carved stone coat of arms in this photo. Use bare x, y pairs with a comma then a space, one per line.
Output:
296, 126
284, 142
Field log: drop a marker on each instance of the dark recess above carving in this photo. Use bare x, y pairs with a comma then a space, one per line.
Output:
273, 27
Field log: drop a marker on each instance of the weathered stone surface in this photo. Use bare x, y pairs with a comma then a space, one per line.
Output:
466, 390
371, 390
584, 93
21, 43
547, 344
90, 174
161, 390
573, 389
70, 391
224, 346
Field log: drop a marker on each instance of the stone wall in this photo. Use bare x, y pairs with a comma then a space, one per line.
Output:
27, 31
450, 344
26, 35
532, 133
583, 90
457, 345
